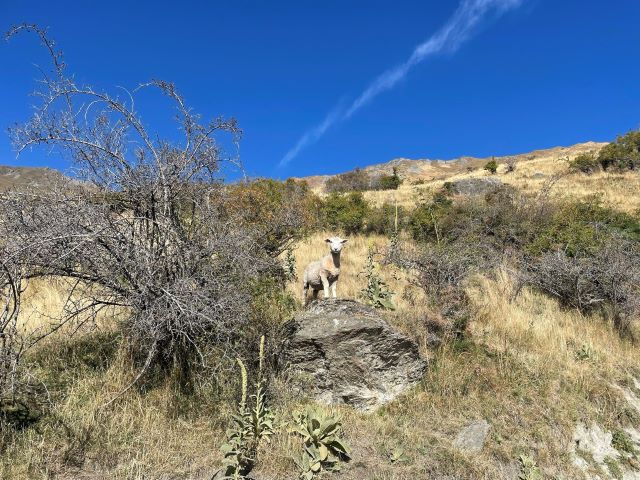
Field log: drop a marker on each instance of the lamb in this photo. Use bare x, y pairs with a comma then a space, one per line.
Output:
323, 274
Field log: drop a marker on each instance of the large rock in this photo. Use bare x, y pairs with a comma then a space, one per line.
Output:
343, 352
476, 186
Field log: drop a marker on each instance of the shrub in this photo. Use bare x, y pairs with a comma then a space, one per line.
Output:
491, 167
623, 154
355, 181
424, 219
279, 213
346, 212
511, 163
606, 280
586, 163
382, 220
388, 182
165, 246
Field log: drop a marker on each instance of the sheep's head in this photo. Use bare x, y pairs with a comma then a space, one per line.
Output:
335, 244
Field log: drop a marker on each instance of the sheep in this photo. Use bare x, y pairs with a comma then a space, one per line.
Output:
323, 274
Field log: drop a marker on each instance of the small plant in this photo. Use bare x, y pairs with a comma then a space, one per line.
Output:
491, 166
397, 455
585, 352
376, 293
529, 469
614, 468
322, 448
623, 443
511, 164
290, 266
251, 425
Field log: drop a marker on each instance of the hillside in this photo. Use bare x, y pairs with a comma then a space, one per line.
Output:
534, 170
17, 177
425, 170
553, 385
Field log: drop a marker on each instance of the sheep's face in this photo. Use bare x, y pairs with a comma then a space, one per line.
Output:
335, 244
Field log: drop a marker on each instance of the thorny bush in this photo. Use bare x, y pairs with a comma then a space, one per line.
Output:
144, 227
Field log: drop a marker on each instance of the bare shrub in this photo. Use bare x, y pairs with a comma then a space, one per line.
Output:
511, 164
441, 271
608, 280
147, 229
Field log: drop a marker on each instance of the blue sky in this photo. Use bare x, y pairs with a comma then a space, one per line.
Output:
543, 74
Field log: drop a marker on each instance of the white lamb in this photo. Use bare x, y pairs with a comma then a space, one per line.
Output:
323, 274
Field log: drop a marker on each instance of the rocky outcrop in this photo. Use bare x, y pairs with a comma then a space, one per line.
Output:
475, 186
343, 352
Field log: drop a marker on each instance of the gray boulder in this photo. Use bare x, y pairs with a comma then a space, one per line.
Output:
343, 352
475, 186
472, 437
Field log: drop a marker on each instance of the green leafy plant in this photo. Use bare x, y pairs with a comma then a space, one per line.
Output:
290, 266
322, 448
376, 293
585, 352
623, 443
585, 163
491, 167
389, 182
397, 455
529, 469
252, 424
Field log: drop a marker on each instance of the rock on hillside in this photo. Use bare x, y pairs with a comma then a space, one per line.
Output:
476, 186
343, 352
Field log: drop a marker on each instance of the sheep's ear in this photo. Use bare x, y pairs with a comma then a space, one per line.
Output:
328, 240
343, 241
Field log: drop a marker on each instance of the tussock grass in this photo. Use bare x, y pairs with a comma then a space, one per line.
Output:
530, 367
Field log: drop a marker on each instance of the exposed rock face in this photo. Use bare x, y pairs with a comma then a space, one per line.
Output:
476, 186
342, 352
472, 437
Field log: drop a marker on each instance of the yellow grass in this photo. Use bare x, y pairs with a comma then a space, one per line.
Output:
520, 372
618, 190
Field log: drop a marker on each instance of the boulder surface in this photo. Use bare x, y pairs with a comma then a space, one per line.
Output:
476, 186
343, 352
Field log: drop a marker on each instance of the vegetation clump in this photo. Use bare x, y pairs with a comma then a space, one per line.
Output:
322, 447
491, 166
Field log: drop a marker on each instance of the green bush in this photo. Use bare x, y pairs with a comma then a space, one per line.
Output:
491, 167
381, 219
345, 212
389, 182
623, 154
355, 181
586, 163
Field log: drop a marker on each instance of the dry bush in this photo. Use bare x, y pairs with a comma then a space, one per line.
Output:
146, 228
608, 280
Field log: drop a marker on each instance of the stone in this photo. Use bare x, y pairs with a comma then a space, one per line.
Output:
344, 352
595, 441
476, 186
472, 437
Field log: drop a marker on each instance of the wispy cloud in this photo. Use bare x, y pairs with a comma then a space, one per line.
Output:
458, 29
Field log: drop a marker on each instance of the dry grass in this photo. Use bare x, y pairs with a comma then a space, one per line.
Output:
618, 190
520, 370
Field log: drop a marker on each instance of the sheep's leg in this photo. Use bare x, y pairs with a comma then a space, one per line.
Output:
333, 289
305, 293
325, 287
315, 294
